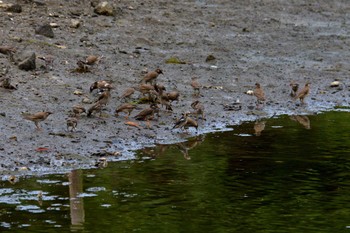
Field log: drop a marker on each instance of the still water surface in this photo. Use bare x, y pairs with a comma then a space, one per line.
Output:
294, 176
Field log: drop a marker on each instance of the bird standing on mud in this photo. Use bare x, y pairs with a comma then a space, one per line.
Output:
295, 87
126, 108
196, 86
260, 95
72, 124
78, 109
182, 121
100, 103
101, 85
198, 109
147, 114
127, 93
151, 76
36, 117
303, 93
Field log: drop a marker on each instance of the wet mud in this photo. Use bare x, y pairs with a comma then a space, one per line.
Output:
228, 45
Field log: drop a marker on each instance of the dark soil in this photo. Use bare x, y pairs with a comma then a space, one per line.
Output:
270, 42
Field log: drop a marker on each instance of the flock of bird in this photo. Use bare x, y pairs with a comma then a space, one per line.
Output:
155, 93
152, 92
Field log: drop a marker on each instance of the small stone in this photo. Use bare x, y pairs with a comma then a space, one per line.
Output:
45, 30
78, 92
75, 23
335, 84
86, 101
210, 58
54, 25
105, 8
14, 8
28, 63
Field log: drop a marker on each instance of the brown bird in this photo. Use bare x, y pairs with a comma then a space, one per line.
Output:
196, 86
151, 76
127, 93
7, 50
104, 97
101, 102
147, 114
36, 117
199, 109
146, 88
163, 97
173, 95
259, 94
78, 109
182, 121
97, 107
92, 59
101, 85
303, 93
294, 90
126, 108
72, 123
191, 123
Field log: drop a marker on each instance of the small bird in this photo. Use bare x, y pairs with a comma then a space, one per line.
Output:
191, 123
151, 76
303, 93
259, 94
196, 86
36, 117
146, 88
104, 97
173, 95
127, 93
101, 85
72, 123
294, 90
97, 107
199, 109
92, 59
78, 109
126, 108
148, 114
162, 97
182, 121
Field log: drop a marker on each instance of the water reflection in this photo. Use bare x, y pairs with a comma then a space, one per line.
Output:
302, 119
77, 212
287, 179
259, 126
182, 147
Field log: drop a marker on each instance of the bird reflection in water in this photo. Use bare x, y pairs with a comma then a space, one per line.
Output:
259, 126
303, 120
183, 147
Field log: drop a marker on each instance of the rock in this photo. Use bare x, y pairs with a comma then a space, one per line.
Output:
28, 63
14, 8
210, 58
75, 23
105, 8
45, 30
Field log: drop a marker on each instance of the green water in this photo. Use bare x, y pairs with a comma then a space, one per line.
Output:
292, 178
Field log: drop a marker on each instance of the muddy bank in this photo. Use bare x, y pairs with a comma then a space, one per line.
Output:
251, 41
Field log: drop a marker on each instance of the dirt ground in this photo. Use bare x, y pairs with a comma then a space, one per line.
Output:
265, 41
